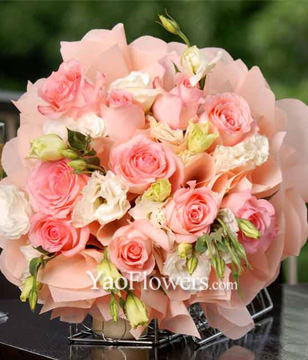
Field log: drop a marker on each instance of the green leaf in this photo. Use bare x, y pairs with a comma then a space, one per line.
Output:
214, 263
217, 235
93, 160
122, 303
177, 70
34, 266
92, 152
222, 247
201, 245
236, 278
77, 140
202, 83
3, 174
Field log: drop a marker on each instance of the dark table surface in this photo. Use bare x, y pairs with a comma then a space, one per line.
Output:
283, 334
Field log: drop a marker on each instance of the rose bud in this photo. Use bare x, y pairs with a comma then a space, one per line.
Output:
47, 148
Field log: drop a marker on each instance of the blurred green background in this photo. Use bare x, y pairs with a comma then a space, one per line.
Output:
272, 34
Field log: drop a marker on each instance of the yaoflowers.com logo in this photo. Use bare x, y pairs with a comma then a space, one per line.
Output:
187, 283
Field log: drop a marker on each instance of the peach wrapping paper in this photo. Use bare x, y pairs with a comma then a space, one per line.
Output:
67, 289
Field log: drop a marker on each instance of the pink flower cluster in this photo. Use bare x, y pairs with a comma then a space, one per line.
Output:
179, 160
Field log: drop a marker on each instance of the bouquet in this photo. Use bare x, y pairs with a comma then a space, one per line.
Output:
148, 177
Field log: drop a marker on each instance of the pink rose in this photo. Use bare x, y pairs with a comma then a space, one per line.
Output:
66, 91
131, 249
260, 212
54, 188
57, 235
141, 161
122, 120
123, 116
191, 212
118, 98
230, 114
179, 105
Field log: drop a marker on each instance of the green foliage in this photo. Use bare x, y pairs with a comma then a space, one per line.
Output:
219, 243
302, 264
201, 246
114, 308
78, 141
272, 34
83, 157
35, 263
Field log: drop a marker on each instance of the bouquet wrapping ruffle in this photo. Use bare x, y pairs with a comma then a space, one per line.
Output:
151, 161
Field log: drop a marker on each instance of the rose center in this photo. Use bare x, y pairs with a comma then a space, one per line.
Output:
132, 252
147, 162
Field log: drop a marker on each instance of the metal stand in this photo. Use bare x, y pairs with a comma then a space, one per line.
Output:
3, 317
223, 347
260, 306
154, 337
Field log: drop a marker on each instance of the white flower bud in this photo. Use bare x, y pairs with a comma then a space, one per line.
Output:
47, 148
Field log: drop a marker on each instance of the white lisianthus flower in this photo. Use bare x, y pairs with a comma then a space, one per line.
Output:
88, 124
229, 219
14, 212
152, 211
164, 133
145, 209
196, 64
139, 84
249, 153
176, 268
103, 200
29, 253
